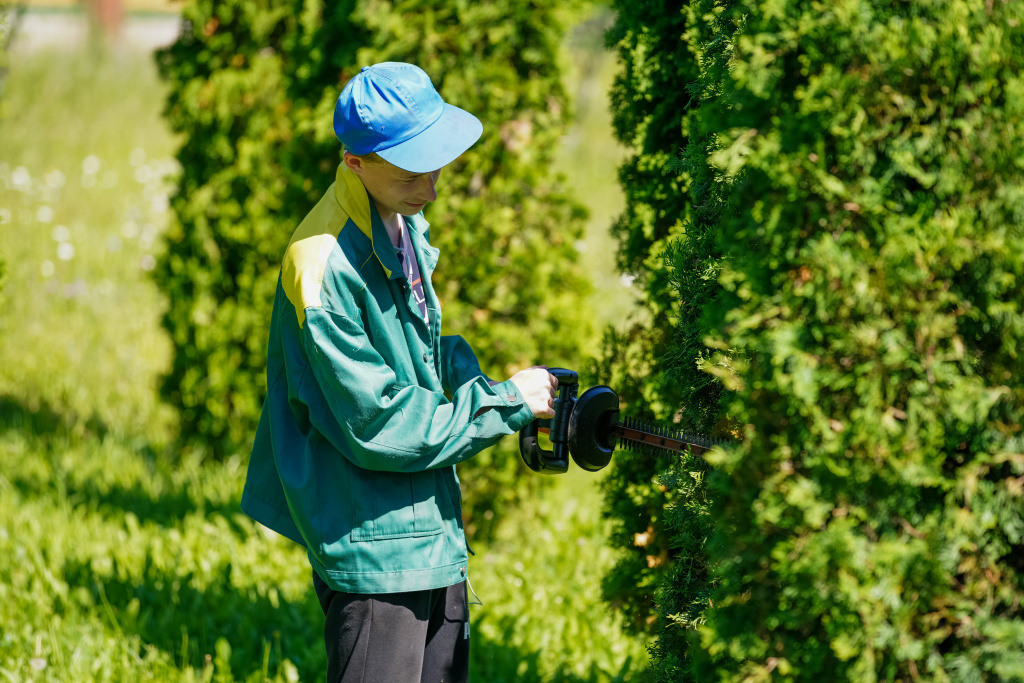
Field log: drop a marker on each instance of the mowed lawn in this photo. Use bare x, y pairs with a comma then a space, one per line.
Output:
121, 560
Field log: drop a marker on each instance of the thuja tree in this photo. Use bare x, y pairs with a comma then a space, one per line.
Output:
671, 210
693, 265
252, 89
872, 518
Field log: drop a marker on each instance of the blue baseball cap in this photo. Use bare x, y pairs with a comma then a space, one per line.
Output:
392, 109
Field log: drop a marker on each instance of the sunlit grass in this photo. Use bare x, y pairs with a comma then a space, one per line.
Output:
540, 584
120, 567
85, 161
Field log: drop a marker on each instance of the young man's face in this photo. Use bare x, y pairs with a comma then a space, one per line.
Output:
394, 190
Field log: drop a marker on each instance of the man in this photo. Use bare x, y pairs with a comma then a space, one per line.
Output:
355, 451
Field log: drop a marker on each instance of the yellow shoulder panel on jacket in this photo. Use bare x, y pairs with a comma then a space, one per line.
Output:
305, 259
352, 197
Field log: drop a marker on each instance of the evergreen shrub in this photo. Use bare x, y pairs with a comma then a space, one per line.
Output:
655, 363
693, 264
871, 522
253, 84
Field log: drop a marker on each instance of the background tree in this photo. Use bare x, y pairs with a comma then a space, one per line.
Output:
252, 89
871, 521
108, 16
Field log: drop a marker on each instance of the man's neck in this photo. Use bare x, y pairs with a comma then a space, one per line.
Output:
393, 222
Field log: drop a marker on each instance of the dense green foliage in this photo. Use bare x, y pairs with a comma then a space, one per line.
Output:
871, 522
666, 239
693, 261
648, 113
851, 256
253, 87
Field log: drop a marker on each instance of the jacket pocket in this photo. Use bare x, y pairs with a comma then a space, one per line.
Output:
404, 504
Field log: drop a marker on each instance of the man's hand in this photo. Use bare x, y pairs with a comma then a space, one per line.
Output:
538, 388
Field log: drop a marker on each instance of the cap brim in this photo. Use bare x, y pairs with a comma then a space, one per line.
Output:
440, 144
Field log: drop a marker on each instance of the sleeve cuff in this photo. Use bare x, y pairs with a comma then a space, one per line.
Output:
508, 394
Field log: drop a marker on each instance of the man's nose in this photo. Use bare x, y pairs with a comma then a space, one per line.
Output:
430, 191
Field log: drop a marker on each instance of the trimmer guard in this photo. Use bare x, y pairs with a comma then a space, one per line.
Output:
590, 439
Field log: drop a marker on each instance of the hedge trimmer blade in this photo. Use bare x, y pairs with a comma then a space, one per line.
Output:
652, 440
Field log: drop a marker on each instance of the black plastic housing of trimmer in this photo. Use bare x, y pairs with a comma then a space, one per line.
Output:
581, 428
555, 461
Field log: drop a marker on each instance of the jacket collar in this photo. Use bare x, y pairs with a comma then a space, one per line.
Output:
354, 201
351, 195
427, 253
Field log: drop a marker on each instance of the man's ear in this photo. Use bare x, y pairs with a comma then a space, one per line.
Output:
353, 163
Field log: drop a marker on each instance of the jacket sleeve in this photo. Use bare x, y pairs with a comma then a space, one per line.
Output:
458, 363
359, 407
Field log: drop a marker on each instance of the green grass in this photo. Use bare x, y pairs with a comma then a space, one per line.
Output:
120, 568
540, 582
83, 201
121, 561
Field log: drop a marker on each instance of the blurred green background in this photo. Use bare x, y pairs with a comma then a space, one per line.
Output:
119, 560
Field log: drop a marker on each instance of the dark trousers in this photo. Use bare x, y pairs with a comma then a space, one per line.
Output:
417, 637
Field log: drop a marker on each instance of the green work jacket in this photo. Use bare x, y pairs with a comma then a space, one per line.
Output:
355, 452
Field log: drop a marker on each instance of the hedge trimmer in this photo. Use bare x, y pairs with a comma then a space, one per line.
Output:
588, 428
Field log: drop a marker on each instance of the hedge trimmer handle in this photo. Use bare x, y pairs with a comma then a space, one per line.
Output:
555, 461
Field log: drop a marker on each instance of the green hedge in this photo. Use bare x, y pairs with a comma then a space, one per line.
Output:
849, 266
660, 519
694, 261
871, 522
253, 85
